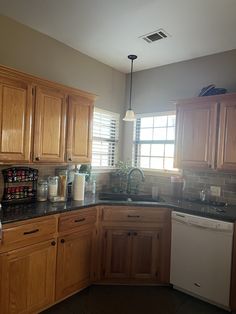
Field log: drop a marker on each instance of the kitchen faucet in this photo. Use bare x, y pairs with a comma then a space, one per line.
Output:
135, 169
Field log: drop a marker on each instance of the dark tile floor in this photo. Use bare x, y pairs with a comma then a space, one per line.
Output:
132, 300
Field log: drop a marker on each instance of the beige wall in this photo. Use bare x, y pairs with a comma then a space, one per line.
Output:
155, 89
27, 50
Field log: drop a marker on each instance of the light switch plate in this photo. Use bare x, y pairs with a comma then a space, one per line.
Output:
215, 190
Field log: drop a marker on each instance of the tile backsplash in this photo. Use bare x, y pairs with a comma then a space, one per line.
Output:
195, 182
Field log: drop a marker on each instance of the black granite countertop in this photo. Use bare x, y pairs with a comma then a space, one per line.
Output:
20, 212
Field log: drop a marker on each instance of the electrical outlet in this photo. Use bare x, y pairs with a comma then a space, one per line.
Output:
215, 190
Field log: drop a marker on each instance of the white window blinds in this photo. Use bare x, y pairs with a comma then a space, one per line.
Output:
105, 138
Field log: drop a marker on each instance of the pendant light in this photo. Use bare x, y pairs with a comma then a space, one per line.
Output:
130, 115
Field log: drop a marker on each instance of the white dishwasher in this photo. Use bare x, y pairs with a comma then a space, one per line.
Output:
201, 253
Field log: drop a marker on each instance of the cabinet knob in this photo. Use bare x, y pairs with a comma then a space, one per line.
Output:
129, 234
37, 158
70, 159
62, 240
53, 243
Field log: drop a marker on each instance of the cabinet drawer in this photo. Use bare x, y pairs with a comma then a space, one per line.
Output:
75, 220
29, 231
135, 214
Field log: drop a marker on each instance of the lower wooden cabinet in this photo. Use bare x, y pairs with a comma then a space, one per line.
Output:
131, 254
145, 254
74, 262
116, 258
129, 246
28, 278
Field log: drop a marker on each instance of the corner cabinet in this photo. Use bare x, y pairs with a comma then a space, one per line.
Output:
135, 245
79, 129
50, 125
196, 134
15, 120
206, 133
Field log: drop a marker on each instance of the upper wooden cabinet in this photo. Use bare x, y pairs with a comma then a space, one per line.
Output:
79, 135
227, 136
50, 125
15, 120
206, 133
61, 118
196, 134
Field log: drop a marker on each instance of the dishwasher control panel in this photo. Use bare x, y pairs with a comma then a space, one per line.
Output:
202, 222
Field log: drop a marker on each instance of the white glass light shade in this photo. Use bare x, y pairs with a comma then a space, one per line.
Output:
129, 116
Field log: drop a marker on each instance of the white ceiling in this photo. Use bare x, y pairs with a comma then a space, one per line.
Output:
109, 30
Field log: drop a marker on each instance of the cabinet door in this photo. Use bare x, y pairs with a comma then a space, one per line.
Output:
15, 120
79, 135
227, 136
74, 262
27, 278
196, 135
50, 123
145, 254
117, 250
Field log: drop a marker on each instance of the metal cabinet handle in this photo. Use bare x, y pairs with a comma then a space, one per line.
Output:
0, 231
79, 220
53, 243
30, 232
37, 158
133, 216
135, 233
62, 241
70, 159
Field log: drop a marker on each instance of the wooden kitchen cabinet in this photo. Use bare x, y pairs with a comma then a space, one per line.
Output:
145, 254
28, 278
136, 244
79, 130
15, 120
76, 255
196, 133
117, 252
226, 159
50, 125
74, 262
131, 254
41, 123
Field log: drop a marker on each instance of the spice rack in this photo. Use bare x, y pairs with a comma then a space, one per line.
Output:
20, 184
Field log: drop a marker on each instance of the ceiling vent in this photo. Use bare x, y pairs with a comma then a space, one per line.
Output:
154, 36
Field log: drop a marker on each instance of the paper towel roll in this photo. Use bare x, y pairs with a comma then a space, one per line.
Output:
78, 187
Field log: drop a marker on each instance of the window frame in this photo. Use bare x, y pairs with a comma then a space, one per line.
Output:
116, 140
138, 142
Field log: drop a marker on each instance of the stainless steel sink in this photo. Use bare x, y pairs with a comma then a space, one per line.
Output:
127, 197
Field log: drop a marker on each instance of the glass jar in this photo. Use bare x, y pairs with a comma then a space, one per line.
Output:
42, 190
52, 186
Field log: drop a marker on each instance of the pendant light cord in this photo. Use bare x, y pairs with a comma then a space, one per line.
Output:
131, 84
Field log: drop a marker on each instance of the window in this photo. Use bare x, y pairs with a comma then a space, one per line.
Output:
154, 141
105, 138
